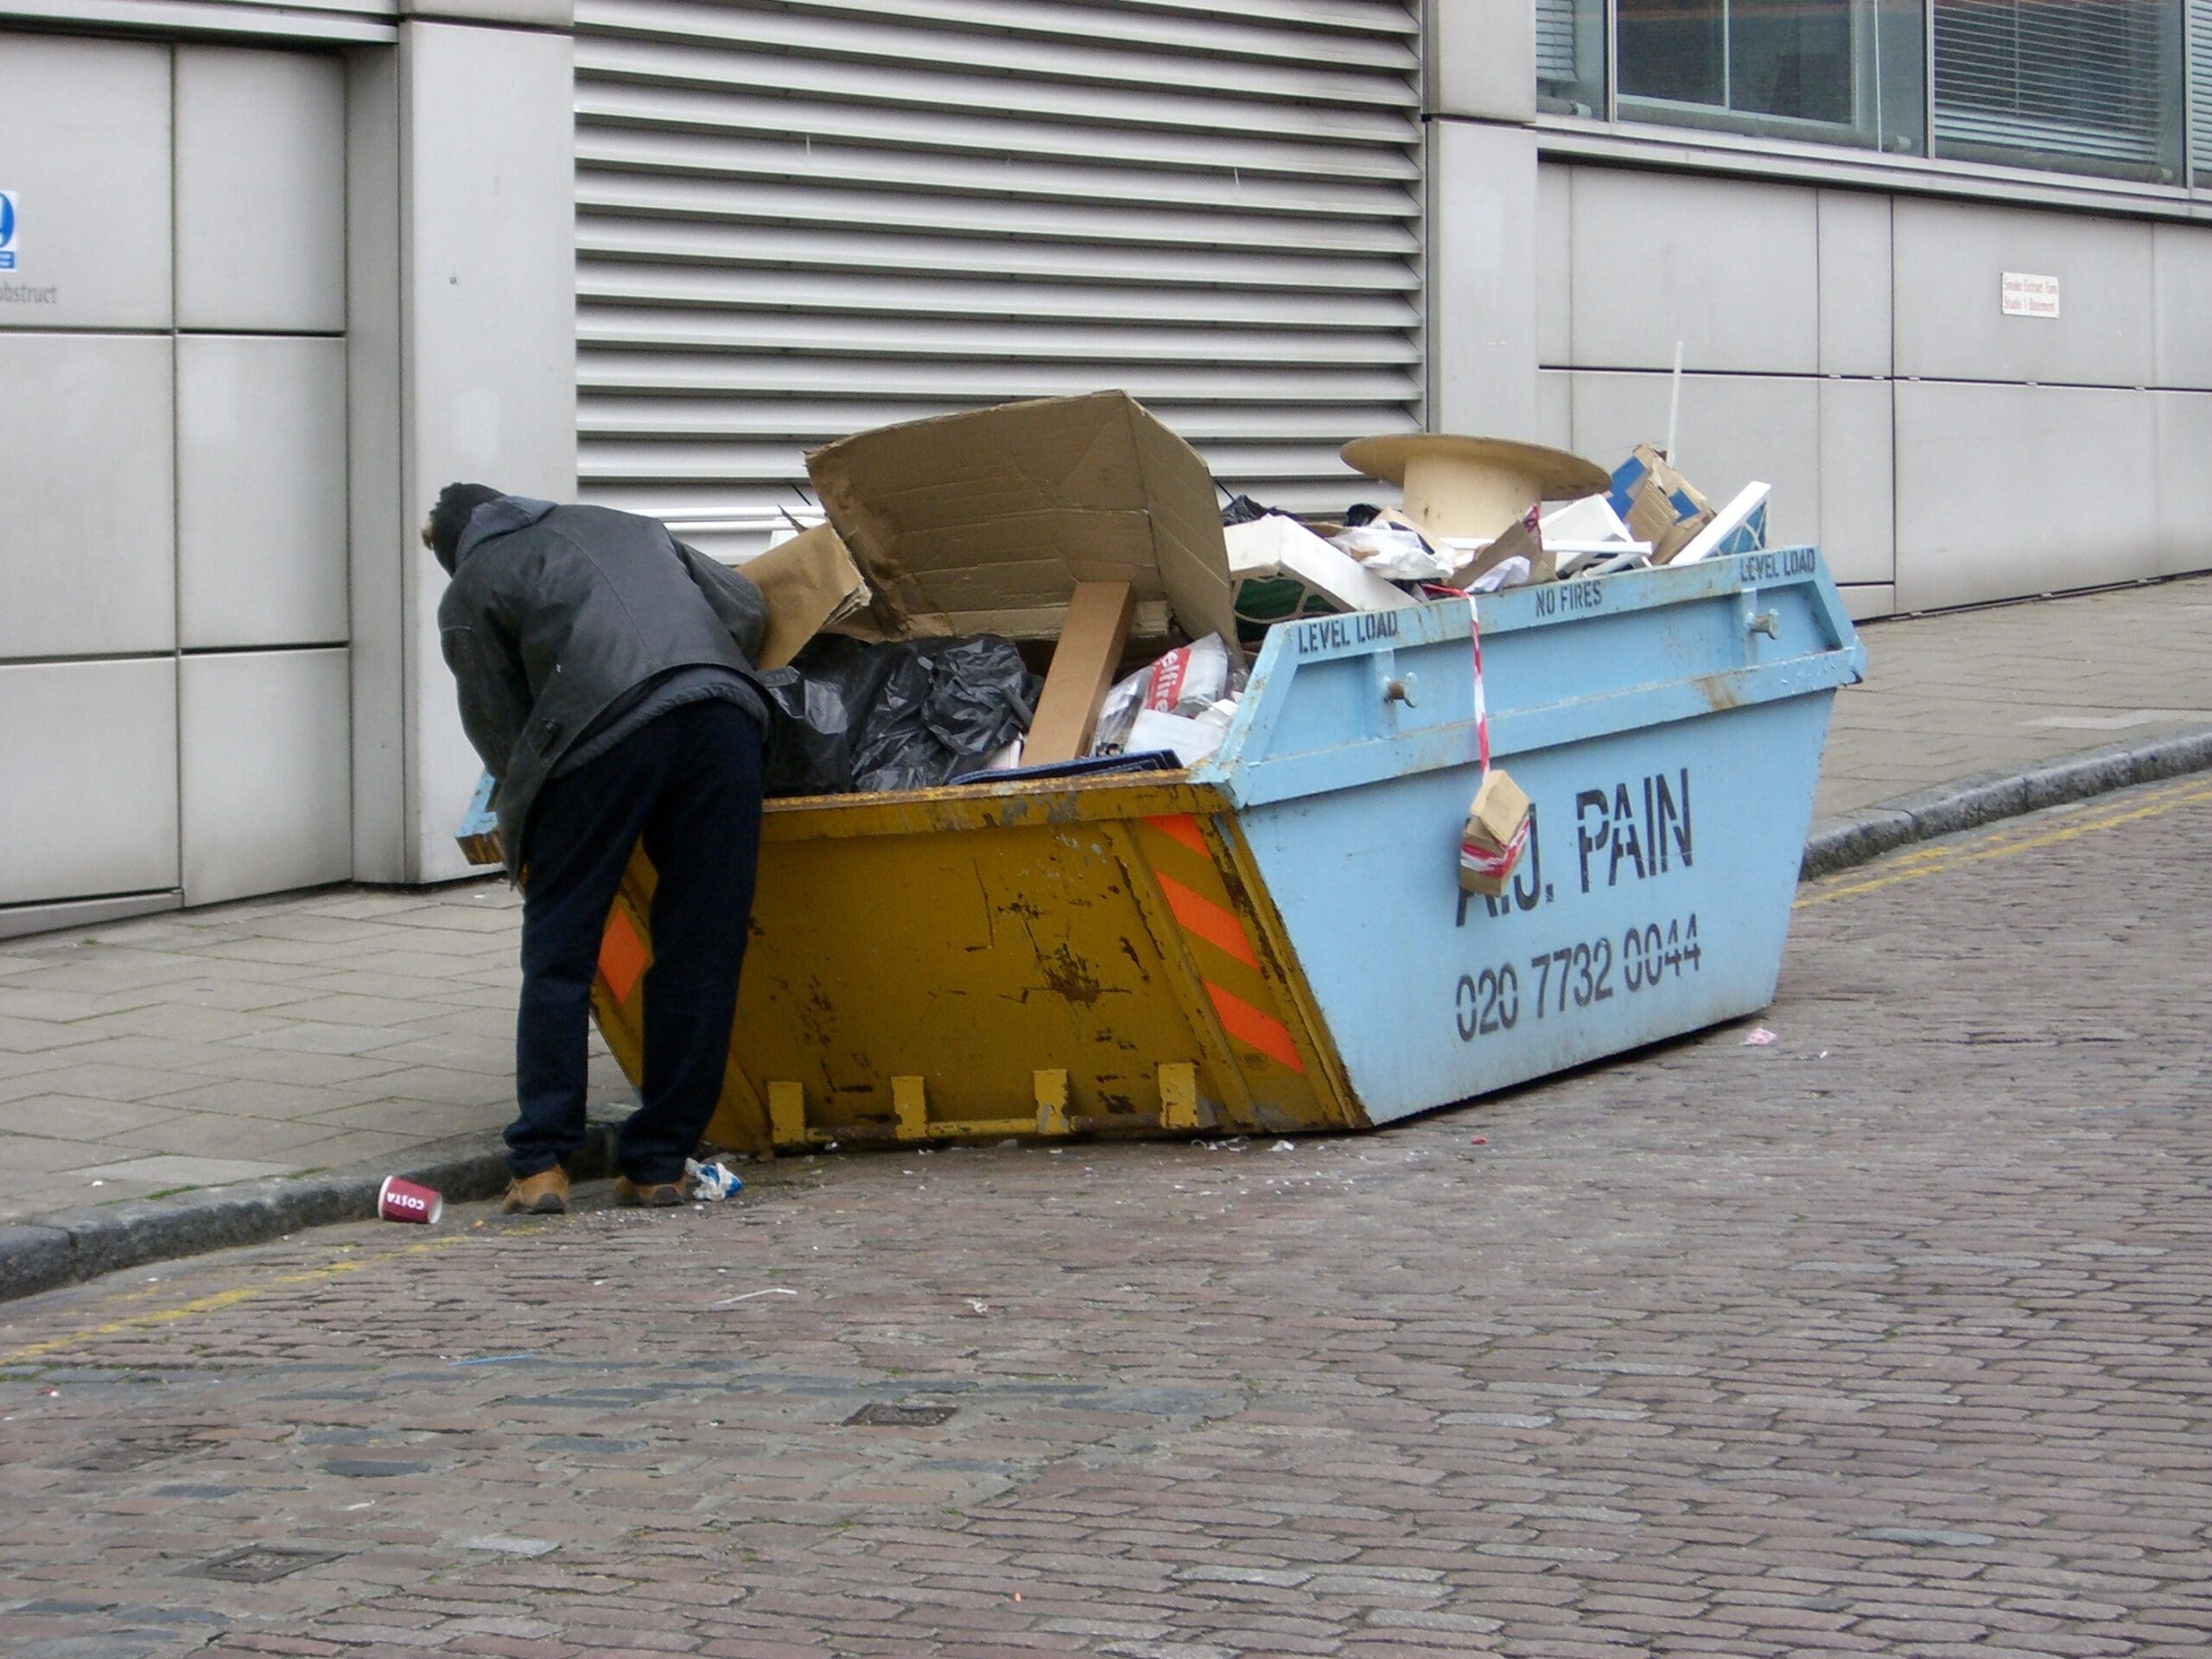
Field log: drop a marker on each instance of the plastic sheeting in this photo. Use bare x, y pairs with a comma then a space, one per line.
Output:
846, 717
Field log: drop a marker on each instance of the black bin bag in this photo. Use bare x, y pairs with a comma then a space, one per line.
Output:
846, 717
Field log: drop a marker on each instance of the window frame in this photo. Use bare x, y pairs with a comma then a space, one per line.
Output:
1729, 134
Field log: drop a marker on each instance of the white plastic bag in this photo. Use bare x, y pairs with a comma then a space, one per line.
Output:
1185, 682
1389, 545
1506, 573
1193, 741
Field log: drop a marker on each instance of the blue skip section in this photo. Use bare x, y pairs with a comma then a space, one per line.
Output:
1668, 724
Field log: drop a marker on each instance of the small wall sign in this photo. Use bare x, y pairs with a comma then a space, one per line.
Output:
2028, 295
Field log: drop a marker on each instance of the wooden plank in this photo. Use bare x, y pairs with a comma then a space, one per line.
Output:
1091, 643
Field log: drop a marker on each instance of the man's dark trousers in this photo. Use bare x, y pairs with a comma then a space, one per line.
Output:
689, 783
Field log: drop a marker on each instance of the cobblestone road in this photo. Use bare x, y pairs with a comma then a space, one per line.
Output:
1889, 1337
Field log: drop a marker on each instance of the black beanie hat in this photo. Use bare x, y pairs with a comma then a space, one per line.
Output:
456, 502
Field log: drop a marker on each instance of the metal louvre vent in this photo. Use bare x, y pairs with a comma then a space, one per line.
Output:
798, 220
2054, 79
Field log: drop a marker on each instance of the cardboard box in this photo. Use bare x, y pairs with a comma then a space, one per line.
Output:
1092, 638
1497, 830
1658, 505
1524, 540
985, 523
1282, 571
1739, 527
808, 583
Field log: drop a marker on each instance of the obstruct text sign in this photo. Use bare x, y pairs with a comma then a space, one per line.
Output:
1628, 831
1790, 563
1341, 633
1570, 597
1612, 836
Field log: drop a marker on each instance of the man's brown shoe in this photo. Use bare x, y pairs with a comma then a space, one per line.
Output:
650, 1195
545, 1193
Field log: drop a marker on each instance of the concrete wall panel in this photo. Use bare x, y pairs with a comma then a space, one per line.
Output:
1734, 429
1729, 269
88, 771
1481, 59
1865, 602
85, 148
1951, 259
2004, 491
1855, 283
260, 190
1555, 267
261, 490
382, 549
1482, 300
1858, 483
2181, 278
87, 550
490, 340
2184, 429
267, 774
1555, 409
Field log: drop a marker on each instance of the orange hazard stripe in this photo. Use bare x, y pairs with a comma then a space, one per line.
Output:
1200, 915
1183, 828
1255, 1028
622, 955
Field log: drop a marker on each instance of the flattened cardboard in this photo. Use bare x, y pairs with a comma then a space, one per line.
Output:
1092, 639
1658, 504
985, 523
808, 583
1523, 540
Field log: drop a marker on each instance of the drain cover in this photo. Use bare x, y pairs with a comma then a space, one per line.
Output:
122, 1456
879, 1415
260, 1564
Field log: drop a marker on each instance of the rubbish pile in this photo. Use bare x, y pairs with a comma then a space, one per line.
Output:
1052, 588
1080, 537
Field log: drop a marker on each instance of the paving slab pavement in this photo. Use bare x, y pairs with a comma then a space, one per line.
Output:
354, 1028
1885, 1338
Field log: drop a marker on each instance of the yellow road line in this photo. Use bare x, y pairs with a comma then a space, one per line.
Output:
216, 1300
1934, 861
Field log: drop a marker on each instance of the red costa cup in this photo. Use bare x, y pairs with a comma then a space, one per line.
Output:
404, 1200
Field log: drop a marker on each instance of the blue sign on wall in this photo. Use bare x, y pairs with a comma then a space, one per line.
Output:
6, 230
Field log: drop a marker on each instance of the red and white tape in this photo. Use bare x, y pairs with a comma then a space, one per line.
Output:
1497, 865
1482, 709
1481, 860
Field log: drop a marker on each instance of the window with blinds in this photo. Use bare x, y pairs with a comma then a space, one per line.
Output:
2086, 85
2118, 87
2200, 92
1571, 57
1841, 71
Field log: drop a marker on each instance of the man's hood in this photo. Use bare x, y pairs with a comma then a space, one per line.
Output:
497, 518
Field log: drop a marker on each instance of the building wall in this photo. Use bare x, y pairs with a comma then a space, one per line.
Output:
1850, 348
1840, 340
278, 273
320, 273
173, 658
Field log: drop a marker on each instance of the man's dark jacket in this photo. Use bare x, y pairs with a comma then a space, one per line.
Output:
563, 624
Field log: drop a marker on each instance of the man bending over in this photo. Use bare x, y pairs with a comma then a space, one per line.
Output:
606, 675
